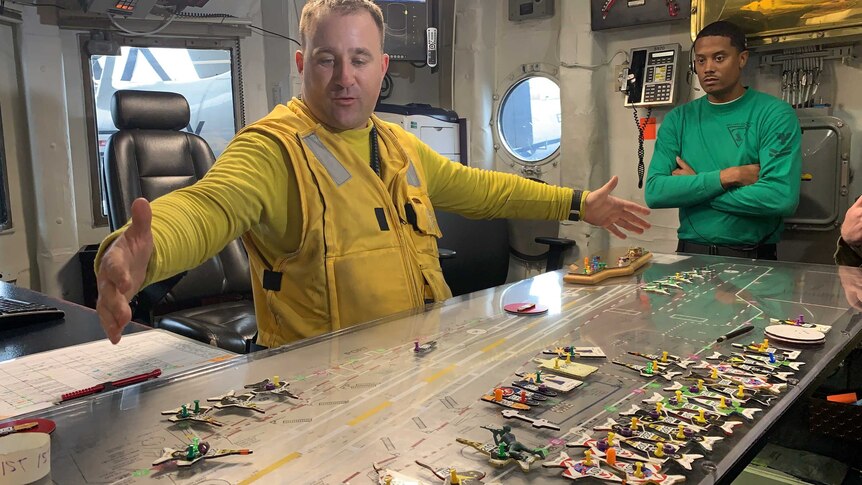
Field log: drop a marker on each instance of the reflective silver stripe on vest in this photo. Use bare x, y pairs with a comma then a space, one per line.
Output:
412, 176
336, 170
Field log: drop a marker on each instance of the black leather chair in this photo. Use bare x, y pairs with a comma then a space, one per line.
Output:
148, 157
474, 254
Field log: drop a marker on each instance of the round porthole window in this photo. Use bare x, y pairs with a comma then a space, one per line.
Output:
529, 119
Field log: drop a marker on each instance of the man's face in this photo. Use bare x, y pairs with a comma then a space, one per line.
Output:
718, 64
342, 68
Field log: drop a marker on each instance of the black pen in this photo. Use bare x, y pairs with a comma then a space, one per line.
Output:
735, 333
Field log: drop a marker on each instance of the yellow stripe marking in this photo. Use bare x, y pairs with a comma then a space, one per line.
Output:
266, 471
371, 412
222, 358
495, 344
437, 375
570, 304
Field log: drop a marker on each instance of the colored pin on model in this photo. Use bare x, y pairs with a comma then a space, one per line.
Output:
192, 412
195, 452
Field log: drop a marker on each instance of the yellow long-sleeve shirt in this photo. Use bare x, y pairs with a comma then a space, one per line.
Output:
251, 189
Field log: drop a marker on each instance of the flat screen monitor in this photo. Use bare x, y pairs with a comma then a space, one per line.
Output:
406, 22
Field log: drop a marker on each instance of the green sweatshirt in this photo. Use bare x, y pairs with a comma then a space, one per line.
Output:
755, 128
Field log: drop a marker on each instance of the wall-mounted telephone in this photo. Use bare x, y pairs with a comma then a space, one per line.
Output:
651, 77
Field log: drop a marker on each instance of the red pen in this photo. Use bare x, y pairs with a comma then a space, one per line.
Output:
109, 386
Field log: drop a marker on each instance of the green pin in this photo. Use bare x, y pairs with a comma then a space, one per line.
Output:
538, 377
197, 406
649, 368
190, 453
185, 412
501, 450
195, 442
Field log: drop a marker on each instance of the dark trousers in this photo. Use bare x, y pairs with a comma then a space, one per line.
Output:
760, 251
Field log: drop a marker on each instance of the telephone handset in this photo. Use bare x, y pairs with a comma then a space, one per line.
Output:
651, 76
649, 81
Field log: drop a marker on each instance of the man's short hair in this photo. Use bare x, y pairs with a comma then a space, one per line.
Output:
314, 9
723, 28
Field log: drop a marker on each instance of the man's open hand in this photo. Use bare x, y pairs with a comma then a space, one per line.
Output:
614, 214
123, 269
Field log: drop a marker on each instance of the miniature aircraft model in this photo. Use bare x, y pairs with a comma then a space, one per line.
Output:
386, 476
671, 283
197, 413
229, 400
663, 360
724, 407
649, 370
655, 288
275, 386
506, 449
536, 423
580, 469
451, 476
194, 453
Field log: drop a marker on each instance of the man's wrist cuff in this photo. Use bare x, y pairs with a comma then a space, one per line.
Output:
579, 205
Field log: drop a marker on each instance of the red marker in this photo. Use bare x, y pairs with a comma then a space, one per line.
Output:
109, 386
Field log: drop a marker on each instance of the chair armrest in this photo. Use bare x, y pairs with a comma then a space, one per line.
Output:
556, 241
556, 247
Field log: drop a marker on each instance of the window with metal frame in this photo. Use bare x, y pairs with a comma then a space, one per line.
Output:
530, 119
205, 73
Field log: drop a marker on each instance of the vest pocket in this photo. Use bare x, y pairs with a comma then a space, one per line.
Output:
368, 285
425, 221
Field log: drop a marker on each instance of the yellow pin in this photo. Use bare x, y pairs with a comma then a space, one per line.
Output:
588, 458
741, 391
700, 385
639, 469
275, 381
678, 397
723, 403
453, 477
659, 450
701, 417
664, 356
681, 433
611, 436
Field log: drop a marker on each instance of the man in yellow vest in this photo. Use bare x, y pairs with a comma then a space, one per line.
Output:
334, 205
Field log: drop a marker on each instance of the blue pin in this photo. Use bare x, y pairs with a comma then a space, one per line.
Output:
771, 357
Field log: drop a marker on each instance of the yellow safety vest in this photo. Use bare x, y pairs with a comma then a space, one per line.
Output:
367, 250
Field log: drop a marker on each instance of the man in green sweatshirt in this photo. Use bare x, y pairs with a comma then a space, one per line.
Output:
731, 160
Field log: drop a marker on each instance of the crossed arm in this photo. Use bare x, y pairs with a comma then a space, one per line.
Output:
770, 188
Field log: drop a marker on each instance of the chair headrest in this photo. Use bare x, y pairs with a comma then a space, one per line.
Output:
149, 110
